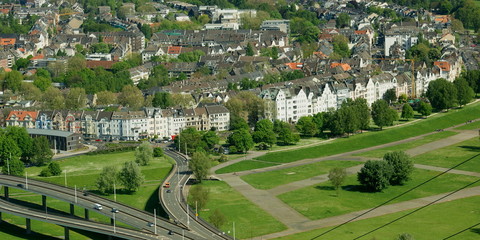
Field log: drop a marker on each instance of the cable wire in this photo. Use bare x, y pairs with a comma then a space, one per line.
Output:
418, 209
455, 234
390, 200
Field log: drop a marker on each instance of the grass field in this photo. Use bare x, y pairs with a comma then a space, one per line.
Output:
271, 179
243, 166
249, 219
320, 201
470, 126
82, 171
369, 139
405, 146
449, 156
434, 222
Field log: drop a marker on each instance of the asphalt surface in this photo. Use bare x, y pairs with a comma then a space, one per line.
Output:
174, 205
73, 222
128, 215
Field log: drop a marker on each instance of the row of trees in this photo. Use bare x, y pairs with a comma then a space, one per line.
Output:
443, 94
130, 176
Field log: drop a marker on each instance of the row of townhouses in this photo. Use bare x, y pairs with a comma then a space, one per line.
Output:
124, 125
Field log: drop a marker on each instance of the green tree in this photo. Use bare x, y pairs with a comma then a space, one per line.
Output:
144, 154
8, 149
337, 177
42, 154
53, 99
340, 46
158, 152
465, 93
217, 218
42, 83
146, 30
200, 165
249, 50
390, 96
362, 111
382, 114
13, 81
191, 139
210, 138
105, 98
263, 132
405, 236
445, 7
402, 167
199, 197
14, 167
130, 176
343, 20
241, 139
22, 139
54, 168
306, 126
162, 100
285, 134
107, 179
349, 118
131, 97
442, 94
30, 92
375, 175
407, 111
76, 98
425, 108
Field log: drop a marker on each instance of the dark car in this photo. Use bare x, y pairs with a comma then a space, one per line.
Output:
169, 191
20, 185
170, 232
150, 224
114, 210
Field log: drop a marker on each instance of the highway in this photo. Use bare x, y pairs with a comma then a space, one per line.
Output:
175, 206
128, 215
75, 222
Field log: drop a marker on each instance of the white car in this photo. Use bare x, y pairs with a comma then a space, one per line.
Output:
97, 206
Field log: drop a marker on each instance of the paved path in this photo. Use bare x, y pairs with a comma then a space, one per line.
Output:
384, 210
296, 222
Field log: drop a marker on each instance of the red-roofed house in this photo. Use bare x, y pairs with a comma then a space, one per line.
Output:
344, 66
7, 41
295, 66
444, 66
174, 50
39, 56
20, 118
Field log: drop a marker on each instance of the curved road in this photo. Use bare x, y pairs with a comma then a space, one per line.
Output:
74, 222
129, 215
173, 201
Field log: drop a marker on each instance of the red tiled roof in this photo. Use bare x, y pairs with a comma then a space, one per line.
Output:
295, 66
174, 50
361, 32
344, 66
22, 114
39, 56
7, 41
445, 66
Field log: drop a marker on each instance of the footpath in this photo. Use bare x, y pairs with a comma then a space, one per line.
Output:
296, 223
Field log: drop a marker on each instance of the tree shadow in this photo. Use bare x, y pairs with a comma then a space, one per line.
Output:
325, 188
356, 188
153, 202
20, 232
475, 230
471, 148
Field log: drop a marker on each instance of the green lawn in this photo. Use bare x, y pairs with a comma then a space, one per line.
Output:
369, 139
250, 220
405, 146
471, 126
449, 156
320, 201
271, 179
83, 170
243, 166
434, 222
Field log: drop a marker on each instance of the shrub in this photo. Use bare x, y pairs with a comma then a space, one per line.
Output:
157, 152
